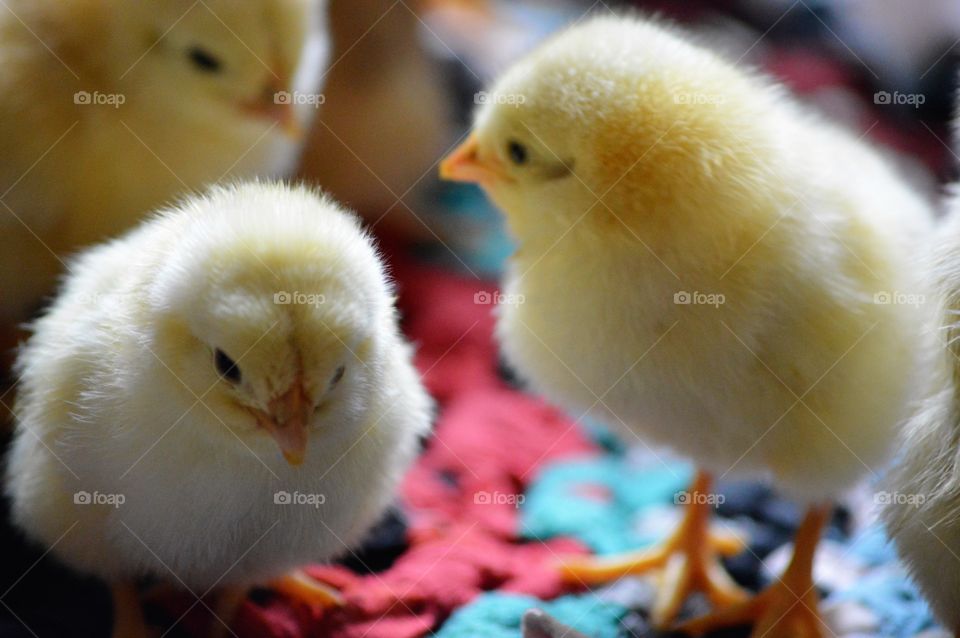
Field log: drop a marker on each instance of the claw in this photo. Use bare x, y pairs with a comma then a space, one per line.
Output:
299, 586
689, 560
788, 607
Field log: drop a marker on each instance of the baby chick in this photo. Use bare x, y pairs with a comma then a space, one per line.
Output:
217, 397
110, 109
921, 502
705, 265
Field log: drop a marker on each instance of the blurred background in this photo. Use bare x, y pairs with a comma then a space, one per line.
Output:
402, 81
403, 77
885, 68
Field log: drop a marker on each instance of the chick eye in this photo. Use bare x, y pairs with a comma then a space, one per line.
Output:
226, 367
338, 375
517, 152
204, 60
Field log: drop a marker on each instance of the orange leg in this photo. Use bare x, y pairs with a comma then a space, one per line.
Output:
128, 621
788, 607
689, 561
228, 603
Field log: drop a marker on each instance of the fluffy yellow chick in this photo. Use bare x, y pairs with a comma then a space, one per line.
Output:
921, 501
707, 266
216, 398
110, 109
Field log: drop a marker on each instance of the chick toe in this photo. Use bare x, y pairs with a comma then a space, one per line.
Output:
298, 585
689, 561
788, 608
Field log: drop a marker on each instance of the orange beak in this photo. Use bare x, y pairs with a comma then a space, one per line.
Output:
287, 423
286, 117
464, 165
275, 104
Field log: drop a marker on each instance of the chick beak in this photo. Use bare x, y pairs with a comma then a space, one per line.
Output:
275, 104
287, 423
464, 165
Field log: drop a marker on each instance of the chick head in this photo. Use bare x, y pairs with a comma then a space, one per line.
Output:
218, 58
613, 117
274, 312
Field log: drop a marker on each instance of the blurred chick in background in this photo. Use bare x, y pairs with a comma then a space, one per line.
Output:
214, 368
109, 109
922, 508
704, 264
386, 112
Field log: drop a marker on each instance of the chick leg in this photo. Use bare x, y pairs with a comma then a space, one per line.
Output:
228, 603
689, 561
788, 607
128, 621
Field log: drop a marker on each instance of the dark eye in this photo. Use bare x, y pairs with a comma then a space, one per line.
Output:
226, 366
338, 375
517, 152
204, 60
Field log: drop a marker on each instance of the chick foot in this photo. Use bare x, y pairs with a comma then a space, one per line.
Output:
689, 561
128, 620
788, 607
296, 585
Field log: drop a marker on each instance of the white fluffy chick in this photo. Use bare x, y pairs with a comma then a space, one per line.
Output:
217, 397
707, 266
921, 500
110, 109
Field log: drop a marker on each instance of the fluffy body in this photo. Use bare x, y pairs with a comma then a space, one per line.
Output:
119, 394
76, 173
654, 167
922, 504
